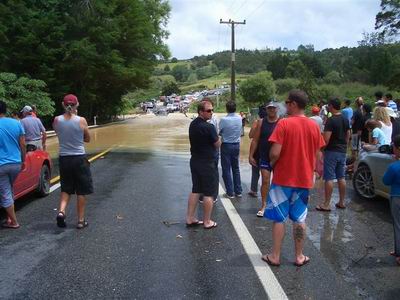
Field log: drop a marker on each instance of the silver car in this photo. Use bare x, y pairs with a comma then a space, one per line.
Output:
369, 170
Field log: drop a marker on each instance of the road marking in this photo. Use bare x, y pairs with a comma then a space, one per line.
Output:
57, 178
268, 280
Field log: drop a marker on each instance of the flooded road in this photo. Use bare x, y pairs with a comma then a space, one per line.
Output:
131, 250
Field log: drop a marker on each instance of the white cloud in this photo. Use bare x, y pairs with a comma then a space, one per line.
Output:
195, 30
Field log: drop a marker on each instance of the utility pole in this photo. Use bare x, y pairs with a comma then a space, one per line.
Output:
233, 84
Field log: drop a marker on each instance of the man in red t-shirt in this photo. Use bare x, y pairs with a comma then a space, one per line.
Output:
296, 143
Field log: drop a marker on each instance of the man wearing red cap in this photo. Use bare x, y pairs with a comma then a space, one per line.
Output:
316, 117
75, 175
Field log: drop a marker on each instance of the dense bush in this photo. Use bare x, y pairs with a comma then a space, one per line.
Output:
258, 88
285, 85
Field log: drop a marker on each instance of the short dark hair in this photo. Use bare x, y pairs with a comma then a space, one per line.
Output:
3, 107
378, 94
372, 124
300, 97
396, 141
367, 108
389, 96
335, 103
230, 106
202, 103
347, 102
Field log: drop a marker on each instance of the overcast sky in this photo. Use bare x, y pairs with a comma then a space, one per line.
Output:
195, 30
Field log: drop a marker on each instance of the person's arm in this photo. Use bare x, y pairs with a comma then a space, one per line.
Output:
22, 146
85, 127
253, 129
217, 144
44, 135
254, 143
327, 136
275, 153
348, 136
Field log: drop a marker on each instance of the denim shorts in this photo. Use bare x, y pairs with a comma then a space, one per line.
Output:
286, 201
8, 174
334, 165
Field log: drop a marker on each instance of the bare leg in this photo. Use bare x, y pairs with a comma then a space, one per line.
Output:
342, 191
278, 233
328, 194
299, 233
192, 205
266, 176
11, 215
63, 202
208, 206
81, 201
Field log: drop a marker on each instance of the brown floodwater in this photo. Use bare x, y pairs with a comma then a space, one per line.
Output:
145, 133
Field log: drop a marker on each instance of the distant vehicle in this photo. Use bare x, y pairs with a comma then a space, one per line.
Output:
149, 105
161, 111
171, 107
36, 175
369, 170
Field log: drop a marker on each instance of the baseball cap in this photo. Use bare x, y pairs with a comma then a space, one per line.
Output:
70, 99
315, 109
379, 102
271, 104
26, 109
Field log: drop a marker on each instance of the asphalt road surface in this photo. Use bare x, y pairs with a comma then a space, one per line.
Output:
138, 247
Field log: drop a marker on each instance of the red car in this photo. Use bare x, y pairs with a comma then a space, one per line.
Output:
36, 175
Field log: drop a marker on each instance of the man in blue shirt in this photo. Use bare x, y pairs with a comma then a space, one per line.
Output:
392, 178
347, 111
12, 157
35, 133
230, 129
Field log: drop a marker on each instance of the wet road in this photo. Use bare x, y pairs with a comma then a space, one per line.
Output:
137, 246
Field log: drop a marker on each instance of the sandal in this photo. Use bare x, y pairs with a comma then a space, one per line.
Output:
260, 213
61, 220
82, 224
10, 226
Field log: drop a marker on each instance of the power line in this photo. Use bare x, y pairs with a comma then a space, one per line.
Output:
261, 4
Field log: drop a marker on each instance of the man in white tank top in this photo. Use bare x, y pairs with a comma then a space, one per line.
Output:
75, 175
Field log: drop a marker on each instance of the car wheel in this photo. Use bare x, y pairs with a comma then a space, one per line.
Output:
44, 181
363, 182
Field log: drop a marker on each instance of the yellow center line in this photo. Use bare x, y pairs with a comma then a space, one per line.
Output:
57, 178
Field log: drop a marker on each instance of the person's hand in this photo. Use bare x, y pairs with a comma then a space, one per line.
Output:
252, 161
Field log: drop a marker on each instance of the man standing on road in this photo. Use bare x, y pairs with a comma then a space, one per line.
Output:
357, 127
75, 175
230, 128
260, 143
336, 136
12, 157
204, 143
35, 133
296, 142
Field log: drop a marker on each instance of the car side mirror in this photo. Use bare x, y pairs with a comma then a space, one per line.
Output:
386, 149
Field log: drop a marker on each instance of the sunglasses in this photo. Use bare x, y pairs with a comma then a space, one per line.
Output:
208, 110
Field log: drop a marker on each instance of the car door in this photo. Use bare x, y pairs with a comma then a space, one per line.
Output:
24, 180
379, 163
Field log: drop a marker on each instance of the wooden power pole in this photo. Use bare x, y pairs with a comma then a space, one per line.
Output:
233, 84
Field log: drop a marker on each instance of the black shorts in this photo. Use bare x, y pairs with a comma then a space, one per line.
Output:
204, 176
75, 175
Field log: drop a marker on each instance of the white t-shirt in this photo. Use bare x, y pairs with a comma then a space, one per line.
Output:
387, 130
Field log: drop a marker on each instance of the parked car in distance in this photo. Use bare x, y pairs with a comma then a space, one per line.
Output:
35, 176
369, 170
161, 111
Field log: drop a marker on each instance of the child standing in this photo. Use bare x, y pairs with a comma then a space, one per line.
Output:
392, 178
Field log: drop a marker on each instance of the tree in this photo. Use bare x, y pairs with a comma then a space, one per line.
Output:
333, 77
296, 69
258, 89
388, 19
180, 72
170, 88
174, 60
167, 68
18, 92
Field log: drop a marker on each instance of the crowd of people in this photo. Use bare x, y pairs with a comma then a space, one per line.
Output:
290, 152
25, 132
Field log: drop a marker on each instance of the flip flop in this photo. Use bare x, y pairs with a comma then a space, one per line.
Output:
268, 261
194, 224
82, 224
260, 214
319, 208
9, 226
61, 220
212, 226
340, 206
305, 261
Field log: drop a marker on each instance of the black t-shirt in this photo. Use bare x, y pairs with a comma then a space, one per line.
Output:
202, 136
358, 121
338, 126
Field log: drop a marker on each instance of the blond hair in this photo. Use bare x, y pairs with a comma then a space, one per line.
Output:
381, 114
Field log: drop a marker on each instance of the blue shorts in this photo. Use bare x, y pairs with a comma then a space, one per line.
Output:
334, 165
264, 164
284, 201
8, 174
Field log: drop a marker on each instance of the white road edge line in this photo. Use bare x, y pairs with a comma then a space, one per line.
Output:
268, 280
